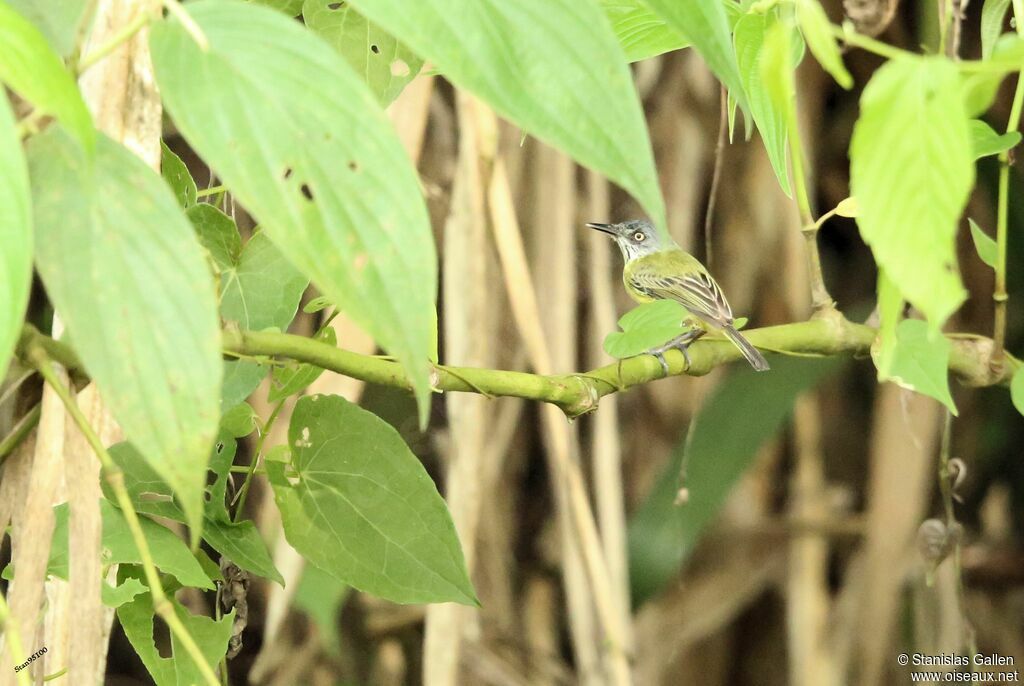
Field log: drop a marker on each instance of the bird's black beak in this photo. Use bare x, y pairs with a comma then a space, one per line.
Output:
606, 228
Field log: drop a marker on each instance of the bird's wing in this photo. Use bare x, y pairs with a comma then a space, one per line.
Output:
699, 293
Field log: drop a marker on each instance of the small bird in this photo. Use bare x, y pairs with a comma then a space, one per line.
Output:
658, 269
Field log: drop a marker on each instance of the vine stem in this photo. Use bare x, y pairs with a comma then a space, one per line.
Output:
13, 642
243, 493
162, 606
999, 295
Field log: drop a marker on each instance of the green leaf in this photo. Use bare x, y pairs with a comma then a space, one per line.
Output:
241, 378
241, 543
553, 67
170, 554
316, 304
262, 289
1017, 390
641, 33
985, 141
817, 30
644, 327
847, 207
361, 507
315, 160
744, 411
979, 89
987, 249
993, 16
137, 619
177, 176
321, 596
15, 236
125, 272
292, 8
920, 361
217, 233
116, 596
706, 23
60, 21
911, 171
239, 421
294, 377
386, 65
30, 67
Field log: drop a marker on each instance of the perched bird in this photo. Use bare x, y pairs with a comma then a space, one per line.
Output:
658, 269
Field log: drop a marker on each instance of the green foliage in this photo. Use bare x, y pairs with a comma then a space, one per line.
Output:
744, 411
706, 24
1017, 390
241, 377
646, 326
218, 234
920, 362
552, 67
176, 175
29, 67
890, 311
386, 65
58, 20
817, 32
357, 503
293, 377
15, 236
321, 596
641, 32
260, 290
137, 619
239, 542
313, 157
122, 267
116, 596
985, 141
993, 16
986, 247
292, 8
170, 554
911, 170
239, 421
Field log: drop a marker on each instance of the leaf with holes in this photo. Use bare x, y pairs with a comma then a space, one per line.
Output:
641, 32
386, 65
30, 68
124, 270
911, 170
359, 505
15, 236
553, 67
303, 144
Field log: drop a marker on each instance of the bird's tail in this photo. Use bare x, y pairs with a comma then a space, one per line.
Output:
755, 358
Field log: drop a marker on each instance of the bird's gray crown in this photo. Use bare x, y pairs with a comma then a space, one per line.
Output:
635, 237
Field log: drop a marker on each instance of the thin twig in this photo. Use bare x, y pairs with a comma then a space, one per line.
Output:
20, 431
115, 477
243, 493
716, 175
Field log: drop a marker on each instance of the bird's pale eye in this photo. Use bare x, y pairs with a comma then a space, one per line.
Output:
638, 236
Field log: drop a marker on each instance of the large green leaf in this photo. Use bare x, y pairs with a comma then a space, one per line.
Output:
706, 24
920, 361
641, 32
15, 236
745, 411
304, 146
750, 34
386, 65
553, 67
30, 67
911, 170
358, 504
125, 272
137, 621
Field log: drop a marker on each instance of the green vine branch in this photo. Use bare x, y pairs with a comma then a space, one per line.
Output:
37, 355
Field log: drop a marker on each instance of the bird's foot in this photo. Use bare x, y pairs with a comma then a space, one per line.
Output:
680, 343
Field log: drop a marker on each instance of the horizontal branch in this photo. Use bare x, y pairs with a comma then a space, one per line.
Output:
579, 393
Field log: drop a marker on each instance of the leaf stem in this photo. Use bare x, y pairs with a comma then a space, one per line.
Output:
114, 42
258, 453
212, 190
162, 606
13, 642
20, 432
176, 9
